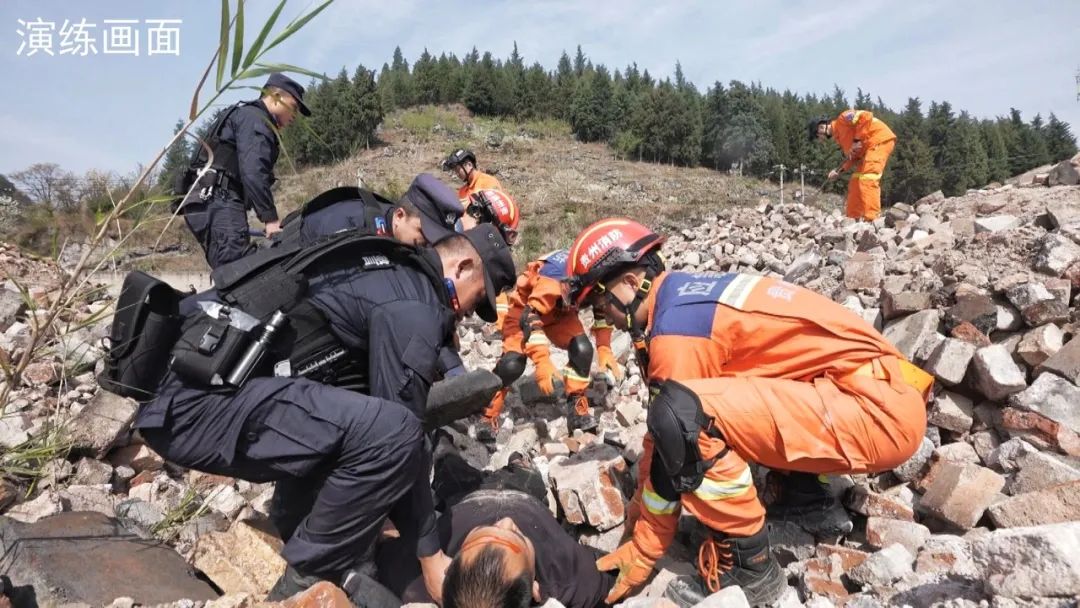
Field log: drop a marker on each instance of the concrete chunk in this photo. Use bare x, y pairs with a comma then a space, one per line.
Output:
1065, 362
996, 374
960, 494
1037, 561
1055, 254
1053, 397
588, 487
1060, 503
864, 271
881, 532
1039, 470
731, 597
243, 559
909, 333
975, 308
884, 567
101, 424
914, 467
952, 411
1040, 344
949, 361
996, 223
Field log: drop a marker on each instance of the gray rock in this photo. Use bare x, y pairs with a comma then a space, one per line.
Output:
1053, 397
1037, 561
1040, 344
790, 543
139, 515
101, 424
884, 567
1065, 362
14, 429
1055, 254
949, 361
730, 597
959, 494
864, 271
1064, 173
1008, 455
996, 374
12, 305
916, 465
1008, 318
909, 334
92, 472
97, 498
975, 308
1039, 470
996, 223
952, 411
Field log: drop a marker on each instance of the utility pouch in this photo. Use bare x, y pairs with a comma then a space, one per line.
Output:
211, 344
144, 328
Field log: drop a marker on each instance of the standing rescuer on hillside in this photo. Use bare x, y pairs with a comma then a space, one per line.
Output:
866, 141
245, 149
743, 369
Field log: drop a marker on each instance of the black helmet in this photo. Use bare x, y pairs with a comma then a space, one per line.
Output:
811, 127
459, 156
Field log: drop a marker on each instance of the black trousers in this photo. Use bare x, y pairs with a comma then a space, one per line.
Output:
341, 460
220, 225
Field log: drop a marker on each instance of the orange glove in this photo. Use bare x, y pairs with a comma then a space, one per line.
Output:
491, 413
546, 375
634, 569
610, 365
633, 513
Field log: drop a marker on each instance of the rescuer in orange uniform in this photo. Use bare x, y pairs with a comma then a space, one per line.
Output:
462, 163
494, 207
744, 369
866, 141
538, 317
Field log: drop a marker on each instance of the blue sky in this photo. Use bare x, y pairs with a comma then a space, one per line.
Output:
111, 112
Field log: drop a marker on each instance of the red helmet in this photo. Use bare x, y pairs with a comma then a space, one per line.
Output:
496, 207
604, 248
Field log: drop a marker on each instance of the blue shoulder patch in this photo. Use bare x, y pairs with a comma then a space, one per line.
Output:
686, 303
555, 265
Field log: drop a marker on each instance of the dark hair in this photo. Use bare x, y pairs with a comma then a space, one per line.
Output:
483, 584
408, 207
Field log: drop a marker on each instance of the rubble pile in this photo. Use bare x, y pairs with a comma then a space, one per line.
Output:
979, 290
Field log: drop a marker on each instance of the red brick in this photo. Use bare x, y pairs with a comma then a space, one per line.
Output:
1052, 505
319, 595
871, 504
969, 333
1058, 436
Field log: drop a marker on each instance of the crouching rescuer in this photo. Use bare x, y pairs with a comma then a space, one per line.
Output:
311, 367
743, 369
539, 316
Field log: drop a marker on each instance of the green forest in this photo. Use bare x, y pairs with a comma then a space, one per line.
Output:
735, 125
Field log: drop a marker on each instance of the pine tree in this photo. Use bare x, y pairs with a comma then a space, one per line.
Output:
939, 121
997, 155
425, 78
176, 159
1060, 142
481, 91
367, 106
964, 160
591, 116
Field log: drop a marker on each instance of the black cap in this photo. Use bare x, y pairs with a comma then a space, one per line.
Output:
439, 206
499, 273
290, 86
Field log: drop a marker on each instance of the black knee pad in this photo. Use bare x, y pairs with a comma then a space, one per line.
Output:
510, 367
580, 350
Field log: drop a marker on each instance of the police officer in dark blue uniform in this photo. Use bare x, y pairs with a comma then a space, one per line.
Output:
343, 461
426, 213
245, 145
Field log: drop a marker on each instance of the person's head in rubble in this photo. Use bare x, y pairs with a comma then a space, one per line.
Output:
495, 568
611, 267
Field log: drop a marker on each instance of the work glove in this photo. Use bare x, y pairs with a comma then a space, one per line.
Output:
634, 569
546, 375
613, 372
491, 414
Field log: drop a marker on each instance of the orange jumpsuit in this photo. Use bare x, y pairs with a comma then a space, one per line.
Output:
864, 188
540, 288
478, 181
793, 381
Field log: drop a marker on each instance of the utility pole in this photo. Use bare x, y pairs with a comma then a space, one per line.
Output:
1077, 84
802, 181
782, 169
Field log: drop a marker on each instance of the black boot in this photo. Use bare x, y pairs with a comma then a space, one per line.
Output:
744, 562
289, 584
577, 414
804, 500
364, 591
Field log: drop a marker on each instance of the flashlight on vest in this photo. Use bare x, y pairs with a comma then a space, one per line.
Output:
256, 351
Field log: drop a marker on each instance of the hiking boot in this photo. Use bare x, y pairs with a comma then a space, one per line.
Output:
804, 500
728, 562
577, 414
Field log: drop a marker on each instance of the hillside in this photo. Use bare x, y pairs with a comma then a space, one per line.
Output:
561, 184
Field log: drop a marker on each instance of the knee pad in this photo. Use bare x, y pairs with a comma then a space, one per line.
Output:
581, 351
510, 367
675, 420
